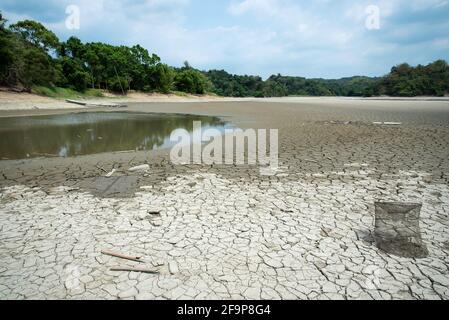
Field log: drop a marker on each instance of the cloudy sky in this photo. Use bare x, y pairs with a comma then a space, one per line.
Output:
314, 38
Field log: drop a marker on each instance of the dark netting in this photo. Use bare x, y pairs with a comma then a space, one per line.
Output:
397, 229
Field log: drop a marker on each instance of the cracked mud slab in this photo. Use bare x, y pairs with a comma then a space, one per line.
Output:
219, 239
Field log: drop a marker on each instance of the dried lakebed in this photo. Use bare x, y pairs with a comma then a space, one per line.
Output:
227, 232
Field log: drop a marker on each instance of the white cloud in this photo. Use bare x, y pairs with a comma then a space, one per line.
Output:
258, 6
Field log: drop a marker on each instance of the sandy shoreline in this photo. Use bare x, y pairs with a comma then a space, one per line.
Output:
226, 232
27, 101
11, 101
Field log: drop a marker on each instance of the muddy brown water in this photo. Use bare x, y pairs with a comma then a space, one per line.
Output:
75, 134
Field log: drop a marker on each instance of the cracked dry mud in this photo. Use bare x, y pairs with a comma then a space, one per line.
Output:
225, 232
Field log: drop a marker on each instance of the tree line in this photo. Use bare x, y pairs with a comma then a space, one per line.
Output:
31, 55
279, 86
403, 81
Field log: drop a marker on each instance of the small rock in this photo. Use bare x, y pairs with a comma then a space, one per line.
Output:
273, 263
141, 216
252, 293
110, 174
441, 279
29, 262
145, 296
173, 267
436, 194
157, 223
128, 293
158, 263
427, 179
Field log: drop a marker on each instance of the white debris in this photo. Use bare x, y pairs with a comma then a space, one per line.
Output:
357, 165
388, 123
144, 167
110, 174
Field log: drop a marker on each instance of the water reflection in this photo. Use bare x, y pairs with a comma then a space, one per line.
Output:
89, 133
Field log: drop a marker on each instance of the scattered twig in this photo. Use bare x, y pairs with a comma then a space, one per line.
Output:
86, 104
141, 270
310, 160
121, 256
81, 103
45, 155
101, 168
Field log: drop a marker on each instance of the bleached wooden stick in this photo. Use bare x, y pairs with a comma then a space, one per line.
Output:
141, 270
121, 256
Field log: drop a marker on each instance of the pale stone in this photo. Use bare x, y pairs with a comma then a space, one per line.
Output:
173, 267
128, 293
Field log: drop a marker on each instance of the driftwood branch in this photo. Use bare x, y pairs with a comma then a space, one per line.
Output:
121, 256
81, 103
101, 168
141, 270
309, 160
105, 105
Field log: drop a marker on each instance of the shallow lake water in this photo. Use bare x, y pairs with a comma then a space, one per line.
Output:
75, 134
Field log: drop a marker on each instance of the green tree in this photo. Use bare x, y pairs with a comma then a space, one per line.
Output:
2, 22
6, 51
25, 54
73, 48
191, 81
162, 77
274, 89
35, 33
187, 65
34, 67
75, 75
225, 84
118, 85
404, 80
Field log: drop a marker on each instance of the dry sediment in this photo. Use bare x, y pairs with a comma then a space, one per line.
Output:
228, 232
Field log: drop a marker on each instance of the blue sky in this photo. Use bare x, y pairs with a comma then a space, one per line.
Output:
315, 38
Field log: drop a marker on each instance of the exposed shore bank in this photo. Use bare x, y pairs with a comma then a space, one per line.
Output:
10, 100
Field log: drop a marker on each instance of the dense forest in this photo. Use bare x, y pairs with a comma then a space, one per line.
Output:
31, 55
402, 81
